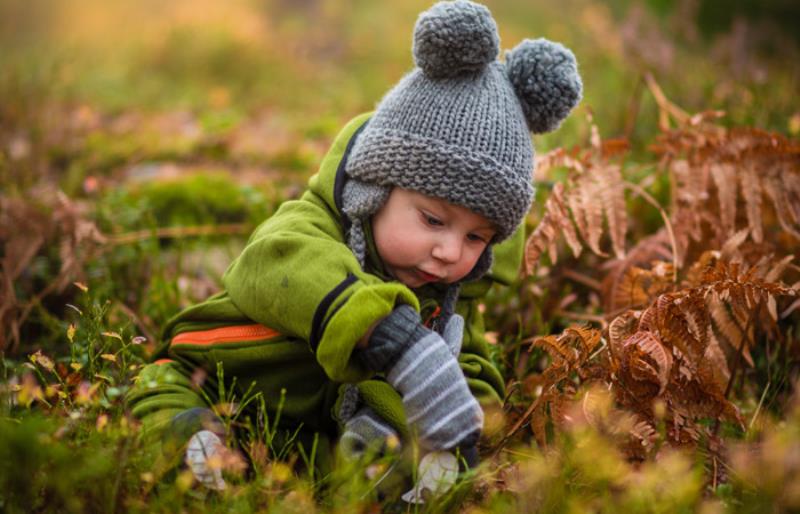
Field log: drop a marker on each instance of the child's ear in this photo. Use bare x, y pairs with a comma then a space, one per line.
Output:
545, 78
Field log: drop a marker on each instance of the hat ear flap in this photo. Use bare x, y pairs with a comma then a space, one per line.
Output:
545, 78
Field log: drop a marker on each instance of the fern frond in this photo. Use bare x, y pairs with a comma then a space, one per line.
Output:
715, 361
556, 221
751, 190
690, 192
612, 196
647, 359
648, 250
724, 176
620, 329
585, 203
788, 216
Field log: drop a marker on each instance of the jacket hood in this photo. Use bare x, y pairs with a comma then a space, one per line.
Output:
328, 183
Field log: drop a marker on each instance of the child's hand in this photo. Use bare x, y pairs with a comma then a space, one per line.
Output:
419, 364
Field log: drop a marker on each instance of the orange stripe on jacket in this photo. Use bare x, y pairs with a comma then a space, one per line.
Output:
234, 334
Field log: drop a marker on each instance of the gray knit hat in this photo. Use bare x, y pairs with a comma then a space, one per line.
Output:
457, 127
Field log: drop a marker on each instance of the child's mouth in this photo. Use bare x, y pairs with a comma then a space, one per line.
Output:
427, 277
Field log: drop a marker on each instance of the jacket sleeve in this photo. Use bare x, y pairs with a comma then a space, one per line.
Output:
298, 277
483, 376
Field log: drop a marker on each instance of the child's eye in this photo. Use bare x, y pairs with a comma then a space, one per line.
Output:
476, 237
432, 220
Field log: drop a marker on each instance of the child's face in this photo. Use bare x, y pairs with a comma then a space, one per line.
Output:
423, 239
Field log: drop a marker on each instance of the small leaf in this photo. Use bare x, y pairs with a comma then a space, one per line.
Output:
42, 360
772, 306
109, 357
71, 332
112, 334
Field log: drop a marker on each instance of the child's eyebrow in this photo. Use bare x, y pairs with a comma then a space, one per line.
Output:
451, 210
489, 227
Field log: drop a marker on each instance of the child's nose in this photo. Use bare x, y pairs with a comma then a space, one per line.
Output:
447, 249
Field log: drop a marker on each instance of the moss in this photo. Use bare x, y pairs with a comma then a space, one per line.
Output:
199, 198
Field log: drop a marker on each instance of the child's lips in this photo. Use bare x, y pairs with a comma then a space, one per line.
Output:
428, 277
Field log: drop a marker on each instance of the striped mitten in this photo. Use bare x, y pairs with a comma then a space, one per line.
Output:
420, 366
366, 431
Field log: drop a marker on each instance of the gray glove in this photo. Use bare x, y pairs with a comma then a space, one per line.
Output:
366, 431
420, 365
453, 334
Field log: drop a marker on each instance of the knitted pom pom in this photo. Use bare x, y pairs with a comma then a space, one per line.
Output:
453, 38
545, 77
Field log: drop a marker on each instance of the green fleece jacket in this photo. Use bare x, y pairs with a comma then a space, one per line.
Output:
297, 276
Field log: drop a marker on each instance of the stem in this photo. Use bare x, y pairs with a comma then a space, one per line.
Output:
667, 224
633, 107
533, 406
758, 409
736, 362
739, 351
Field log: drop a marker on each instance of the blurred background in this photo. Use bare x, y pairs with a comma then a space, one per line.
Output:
271, 77
151, 116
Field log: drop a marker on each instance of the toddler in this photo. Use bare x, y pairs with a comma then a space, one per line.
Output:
357, 304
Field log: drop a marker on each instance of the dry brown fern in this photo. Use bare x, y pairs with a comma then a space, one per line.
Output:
685, 336
554, 389
677, 352
684, 306
755, 169
593, 192
722, 180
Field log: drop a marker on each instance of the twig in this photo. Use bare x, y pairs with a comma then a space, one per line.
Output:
26, 310
714, 478
582, 279
179, 232
137, 321
580, 316
665, 107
